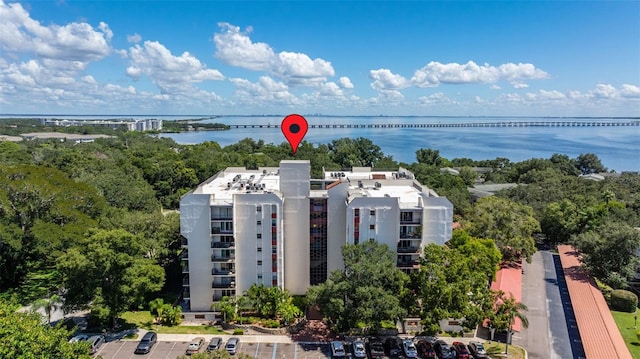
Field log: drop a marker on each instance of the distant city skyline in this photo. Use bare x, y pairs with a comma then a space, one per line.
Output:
563, 58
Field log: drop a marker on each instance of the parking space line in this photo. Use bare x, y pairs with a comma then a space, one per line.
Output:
275, 346
295, 350
170, 350
118, 351
257, 347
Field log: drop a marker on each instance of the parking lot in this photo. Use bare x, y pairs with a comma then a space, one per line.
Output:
170, 350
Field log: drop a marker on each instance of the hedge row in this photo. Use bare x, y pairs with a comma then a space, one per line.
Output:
624, 301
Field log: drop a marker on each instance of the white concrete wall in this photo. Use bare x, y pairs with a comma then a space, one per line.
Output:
246, 217
437, 223
195, 225
294, 185
386, 220
336, 226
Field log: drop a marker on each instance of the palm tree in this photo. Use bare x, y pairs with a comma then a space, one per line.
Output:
507, 310
51, 304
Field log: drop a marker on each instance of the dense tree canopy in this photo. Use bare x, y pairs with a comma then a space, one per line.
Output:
368, 290
510, 224
23, 336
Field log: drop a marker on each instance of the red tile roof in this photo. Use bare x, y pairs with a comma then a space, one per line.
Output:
598, 331
509, 280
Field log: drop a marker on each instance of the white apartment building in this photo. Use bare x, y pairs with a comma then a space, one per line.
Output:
279, 227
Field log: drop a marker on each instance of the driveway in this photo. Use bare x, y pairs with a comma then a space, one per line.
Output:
547, 335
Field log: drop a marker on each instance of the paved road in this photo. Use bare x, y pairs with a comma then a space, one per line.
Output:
547, 335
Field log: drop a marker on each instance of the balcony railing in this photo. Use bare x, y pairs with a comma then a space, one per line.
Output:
186, 294
185, 269
223, 285
185, 281
215, 258
184, 255
184, 242
218, 230
225, 272
408, 249
408, 264
414, 235
222, 244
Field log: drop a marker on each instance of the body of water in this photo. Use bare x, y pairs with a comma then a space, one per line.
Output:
617, 147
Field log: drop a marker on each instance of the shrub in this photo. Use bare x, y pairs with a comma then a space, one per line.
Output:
624, 301
271, 323
238, 331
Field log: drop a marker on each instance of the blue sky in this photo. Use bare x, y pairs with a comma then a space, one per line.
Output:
524, 58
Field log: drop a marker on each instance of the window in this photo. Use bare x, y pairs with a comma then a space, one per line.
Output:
258, 208
260, 276
259, 263
372, 226
259, 223
259, 249
259, 235
356, 212
372, 212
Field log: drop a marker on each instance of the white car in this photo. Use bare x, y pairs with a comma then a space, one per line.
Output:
195, 346
409, 349
79, 338
358, 349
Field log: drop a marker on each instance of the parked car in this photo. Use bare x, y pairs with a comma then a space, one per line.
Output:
393, 347
232, 345
425, 350
214, 344
477, 350
79, 338
409, 349
337, 350
358, 349
195, 346
95, 342
146, 343
375, 348
443, 350
461, 350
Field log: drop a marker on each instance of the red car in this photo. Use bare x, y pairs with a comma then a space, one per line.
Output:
461, 350
425, 350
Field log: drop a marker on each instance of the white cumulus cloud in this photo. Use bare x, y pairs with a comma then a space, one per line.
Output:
134, 39
170, 73
234, 47
345, 83
436, 73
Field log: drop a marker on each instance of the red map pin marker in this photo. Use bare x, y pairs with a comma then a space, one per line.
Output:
294, 127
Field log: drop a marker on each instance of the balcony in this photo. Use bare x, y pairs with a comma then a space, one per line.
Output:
223, 285
218, 297
184, 242
185, 281
216, 258
185, 269
413, 249
218, 230
408, 264
184, 255
222, 272
410, 235
222, 244
186, 294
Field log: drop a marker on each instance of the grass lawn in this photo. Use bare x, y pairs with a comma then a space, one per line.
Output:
626, 322
496, 350
143, 319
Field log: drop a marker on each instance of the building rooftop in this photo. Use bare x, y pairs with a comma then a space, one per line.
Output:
235, 180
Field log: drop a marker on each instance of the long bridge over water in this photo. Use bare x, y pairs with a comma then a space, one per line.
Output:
590, 123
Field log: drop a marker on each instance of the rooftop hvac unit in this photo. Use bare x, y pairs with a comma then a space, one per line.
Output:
378, 184
228, 185
264, 172
360, 184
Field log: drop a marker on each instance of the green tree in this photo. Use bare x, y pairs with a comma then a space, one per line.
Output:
22, 336
506, 311
358, 152
510, 224
110, 270
226, 305
430, 157
589, 163
468, 175
156, 307
49, 305
368, 290
560, 221
171, 315
608, 252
